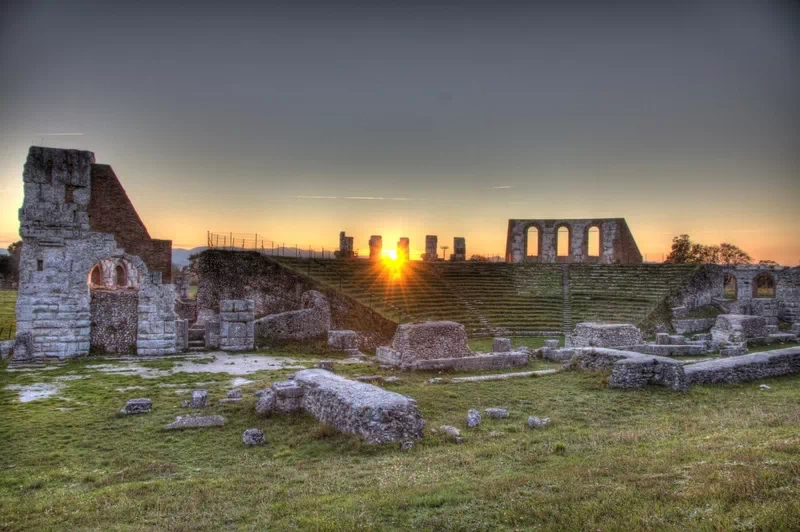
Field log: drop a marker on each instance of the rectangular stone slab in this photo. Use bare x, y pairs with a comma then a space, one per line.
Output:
195, 422
353, 407
746, 367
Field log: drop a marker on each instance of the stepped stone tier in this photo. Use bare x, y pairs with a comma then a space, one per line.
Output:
237, 324
746, 367
498, 299
353, 407
737, 328
589, 334
617, 245
312, 321
81, 233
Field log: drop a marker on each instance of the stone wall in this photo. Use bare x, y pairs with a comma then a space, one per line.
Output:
276, 289
60, 249
115, 321
737, 328
784, 306
375, 247
237, 325
617, 245
311, 322
746, 367
431, 247
459, 248
589, 334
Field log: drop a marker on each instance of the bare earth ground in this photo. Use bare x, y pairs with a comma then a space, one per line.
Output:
716, 458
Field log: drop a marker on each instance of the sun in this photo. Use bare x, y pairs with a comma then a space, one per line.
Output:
393, 264
389, 254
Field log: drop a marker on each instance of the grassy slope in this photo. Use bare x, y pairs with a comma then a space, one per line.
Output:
8, 321
716, 458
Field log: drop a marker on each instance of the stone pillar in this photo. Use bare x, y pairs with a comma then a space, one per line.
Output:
375, 247
345, 246
237, 324
431, 246
402, 248
459, 248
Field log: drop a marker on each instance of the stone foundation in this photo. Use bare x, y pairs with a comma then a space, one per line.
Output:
589, 334
745, 368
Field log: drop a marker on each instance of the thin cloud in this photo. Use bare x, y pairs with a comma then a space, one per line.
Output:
501, 187
58, 135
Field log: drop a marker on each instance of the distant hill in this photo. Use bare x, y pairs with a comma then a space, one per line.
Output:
181, 256
3, 251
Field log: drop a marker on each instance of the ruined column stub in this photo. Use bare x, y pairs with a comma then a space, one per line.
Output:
345, 246
402, 248
459, 248
431, 243
616, 243
375, 247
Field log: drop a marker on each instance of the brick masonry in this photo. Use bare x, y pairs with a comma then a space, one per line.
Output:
237, 324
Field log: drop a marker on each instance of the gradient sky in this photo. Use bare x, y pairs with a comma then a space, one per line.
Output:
452, 116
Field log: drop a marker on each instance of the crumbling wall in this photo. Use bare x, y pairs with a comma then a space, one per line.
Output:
311, 322
275, 289
617, 245
785, 305
58, 253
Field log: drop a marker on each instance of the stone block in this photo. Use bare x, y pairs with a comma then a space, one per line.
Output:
737, 328
473, 418
288, 396
253, 437
195, 422
552, 343
352, 407
501, 345
662, 338
637, 372
590, 334
342, 340
496, 413
733, 350
312, 321
137, 406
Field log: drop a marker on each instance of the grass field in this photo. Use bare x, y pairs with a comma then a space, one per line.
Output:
716, 458
8, 322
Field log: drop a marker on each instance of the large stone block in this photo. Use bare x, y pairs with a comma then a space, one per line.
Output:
590, 334
737, 328
342, 340
353, 407
312, 321
430, 340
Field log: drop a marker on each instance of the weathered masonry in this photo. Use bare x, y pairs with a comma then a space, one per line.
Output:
769, 291
592, 241
85, 251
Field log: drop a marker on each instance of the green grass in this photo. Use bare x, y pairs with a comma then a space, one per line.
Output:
8, 319
716, 458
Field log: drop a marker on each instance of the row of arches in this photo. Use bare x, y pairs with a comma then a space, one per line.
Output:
113, 273
563, 243
763, 285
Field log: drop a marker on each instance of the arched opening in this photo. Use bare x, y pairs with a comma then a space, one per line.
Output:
593, 241
121, 280
533, 242
563, 241
96, 277
764, 285
729, 287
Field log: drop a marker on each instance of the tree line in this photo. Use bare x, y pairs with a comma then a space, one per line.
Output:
684, 251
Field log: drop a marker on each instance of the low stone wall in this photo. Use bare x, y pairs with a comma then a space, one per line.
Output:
353, 407
474, 363
746, 367
632, 370
670, 350
311, 322
237, 324
590, 334
689, 326
430, 340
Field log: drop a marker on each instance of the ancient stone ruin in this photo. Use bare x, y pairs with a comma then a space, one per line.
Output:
375, 247
91, 278
459, 249
616, 243
402, 248
345, 246
312, 321
589, 334
431, 248
442, 345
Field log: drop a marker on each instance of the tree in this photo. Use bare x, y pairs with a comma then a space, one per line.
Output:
15, 250
730, 254
767, 263
683, 251
479, 258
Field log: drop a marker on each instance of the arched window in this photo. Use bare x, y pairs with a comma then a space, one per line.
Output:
96, 276
533, 242
729, 287
593, 244
563, 241
764, 285
121, 277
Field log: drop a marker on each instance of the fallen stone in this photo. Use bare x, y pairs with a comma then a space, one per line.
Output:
342, 340
538, 423
266, 403
475, 362
552, 343
450, 431
375, 414
473, 418
737, 328
369, 378
327, 365
234, 394
503, 376
436, 380
288, 396
253, 437
229, 400
199, 399
137, 406
765, 387
496, 413
193, 422
407, 445
501, 345
385, 366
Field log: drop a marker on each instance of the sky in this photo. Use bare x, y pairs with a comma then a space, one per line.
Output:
297, 120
